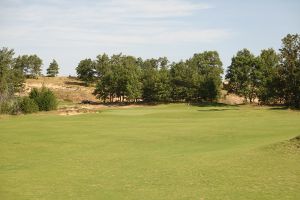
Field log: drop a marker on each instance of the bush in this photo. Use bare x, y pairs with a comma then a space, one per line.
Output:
28, 105
44, 98
10, 106
4, 107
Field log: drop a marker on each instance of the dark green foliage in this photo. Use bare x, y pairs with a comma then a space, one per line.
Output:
154, 80
11, 78
270, 77
118, 77
289, 70
163, 87
44, 98
197, 79
149, 78
207, 68
30, 65
28, 105
86, 71
255, 77
11, 81
52, 71
179, 81
243, 75
269, 84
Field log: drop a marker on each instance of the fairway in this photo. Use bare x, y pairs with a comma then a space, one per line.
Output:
162, 152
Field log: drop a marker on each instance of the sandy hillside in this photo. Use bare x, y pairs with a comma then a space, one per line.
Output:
65, 88
70, 90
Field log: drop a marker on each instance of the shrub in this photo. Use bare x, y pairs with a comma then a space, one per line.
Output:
10, 106
4, 107
44, 98
28, 105
34, 94
15, 106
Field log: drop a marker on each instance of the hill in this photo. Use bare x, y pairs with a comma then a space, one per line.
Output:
70, 89
66, 88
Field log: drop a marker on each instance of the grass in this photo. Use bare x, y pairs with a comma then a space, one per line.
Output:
155, 152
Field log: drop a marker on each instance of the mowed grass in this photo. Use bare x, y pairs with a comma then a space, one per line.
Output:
156, 152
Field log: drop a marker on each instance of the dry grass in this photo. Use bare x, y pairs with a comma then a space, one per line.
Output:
65, 88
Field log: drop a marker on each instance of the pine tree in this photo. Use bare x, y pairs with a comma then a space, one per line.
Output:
52, 71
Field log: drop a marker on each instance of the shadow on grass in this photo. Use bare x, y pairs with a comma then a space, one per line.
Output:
206, 104
279, 108
218, 109
119, 104
74, 83
285, 108
213, 104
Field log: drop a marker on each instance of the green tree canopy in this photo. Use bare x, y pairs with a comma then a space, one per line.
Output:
11, 78
31, 65
269, 84
86, 71
118, 77
289, 69
243, 75
53, 68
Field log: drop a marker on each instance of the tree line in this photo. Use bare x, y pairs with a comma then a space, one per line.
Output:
270, 78
126, 78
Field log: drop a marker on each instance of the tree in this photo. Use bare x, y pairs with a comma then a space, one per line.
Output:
11, 81
132, 76
156, 80
102, 65
269, 84
86, 71
179, 81
207, 82
31, 65
104, 77
289, 69
197, 79
35, 64
52, 71
118, 77
243, 75
21, 63
6, 62
11, 78
163, 87
149, 79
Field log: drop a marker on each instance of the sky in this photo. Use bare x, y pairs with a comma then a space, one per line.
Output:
71, 30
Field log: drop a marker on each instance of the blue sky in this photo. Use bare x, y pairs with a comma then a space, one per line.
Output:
70, 31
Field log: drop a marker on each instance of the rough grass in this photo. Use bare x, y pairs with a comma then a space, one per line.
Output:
155, 152
65, 88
